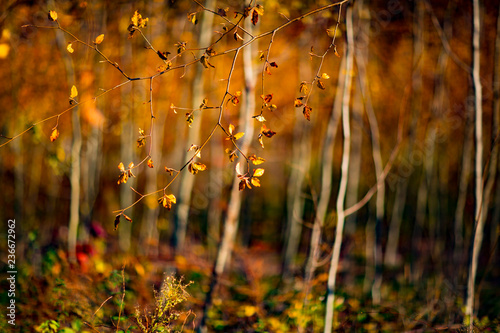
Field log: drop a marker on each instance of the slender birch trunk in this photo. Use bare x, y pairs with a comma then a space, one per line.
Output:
301, 161
230, 226
332, 275
495, 155
149, 236
197, 94
468, 145
127, 143
373, 231
479, 223
76, 146
326, 173
402, 185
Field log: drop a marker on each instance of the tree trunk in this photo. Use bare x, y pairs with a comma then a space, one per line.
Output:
326, 173
230, 226
332, 275
479, 223
402, 185
301, 160
76, 146
374, 243
198, 91
127, 142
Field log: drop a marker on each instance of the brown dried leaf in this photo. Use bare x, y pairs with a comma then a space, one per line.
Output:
205, 63
303, 88
307, 112
170, 171
320, 85
222, 12
267, 98
163, 55
267, 131
117, 221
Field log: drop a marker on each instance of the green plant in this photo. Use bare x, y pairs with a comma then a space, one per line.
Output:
48, 326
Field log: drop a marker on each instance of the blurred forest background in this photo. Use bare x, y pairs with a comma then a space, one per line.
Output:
258, 259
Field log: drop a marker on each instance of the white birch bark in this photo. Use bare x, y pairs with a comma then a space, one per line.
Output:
478, 234
332, 275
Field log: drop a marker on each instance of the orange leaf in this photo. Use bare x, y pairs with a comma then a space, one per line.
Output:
54, 135
99, 39
150, 163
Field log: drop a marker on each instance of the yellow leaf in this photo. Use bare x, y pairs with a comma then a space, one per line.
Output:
138, 21
256, 160
298, 103
54, 135
99, 39
231, 128
167, 201
70, 48
150, 163
255, 182
121, 167
238, 135
260, 118
259, 9
199, 166
258, 172
74, 92
192, 18
52, 15
172, 198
